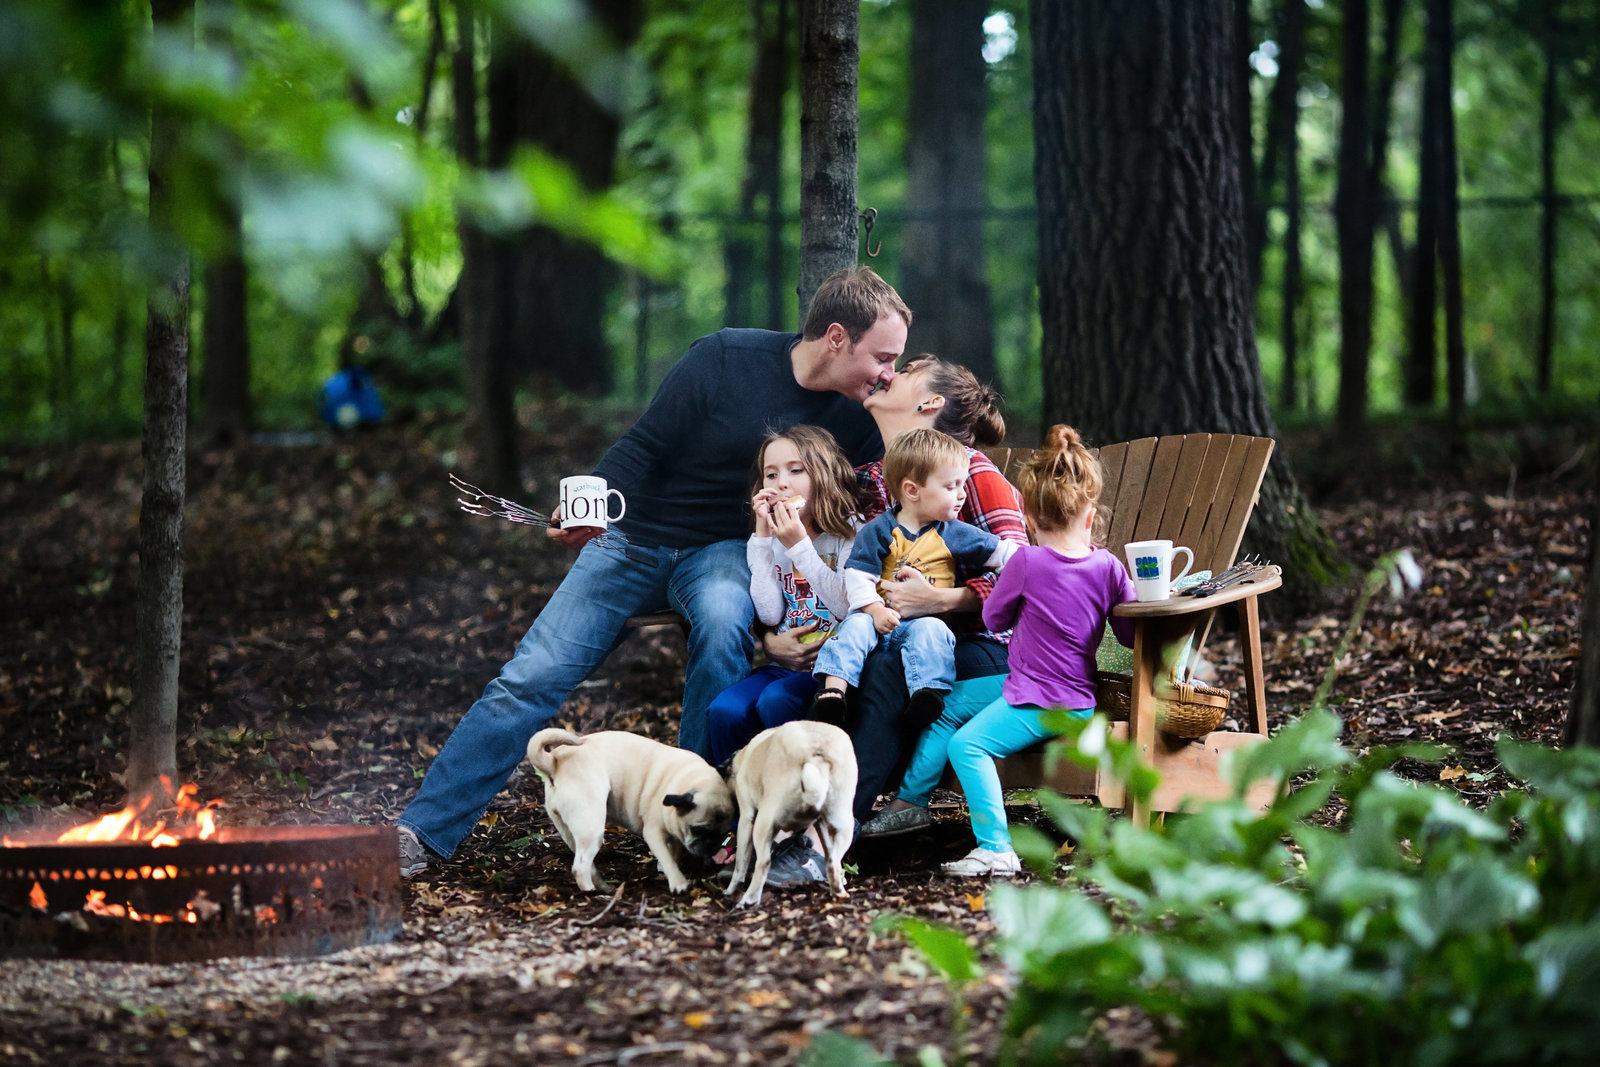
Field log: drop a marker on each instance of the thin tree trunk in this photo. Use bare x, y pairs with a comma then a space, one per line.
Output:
1422, 358
829, 58
419, 121
158, 632
1547, 228
1441, 34
225, 385
1283, 114
777, 272
1144, 288
1292, 270
1250, 194
943, 268
763, 162
1353, 216
490, 431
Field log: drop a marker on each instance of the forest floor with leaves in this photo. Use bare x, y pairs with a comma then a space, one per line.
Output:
340, 615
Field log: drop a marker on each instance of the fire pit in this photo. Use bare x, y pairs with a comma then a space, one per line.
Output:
261, 891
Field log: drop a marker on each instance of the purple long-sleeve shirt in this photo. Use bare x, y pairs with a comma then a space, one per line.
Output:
1058, 606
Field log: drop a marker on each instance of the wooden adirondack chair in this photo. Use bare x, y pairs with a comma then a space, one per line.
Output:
1198, 490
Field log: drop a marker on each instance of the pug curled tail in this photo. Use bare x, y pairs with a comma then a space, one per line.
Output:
542, 746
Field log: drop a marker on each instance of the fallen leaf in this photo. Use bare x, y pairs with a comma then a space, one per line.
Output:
1450, 774
975, 902
697, 1020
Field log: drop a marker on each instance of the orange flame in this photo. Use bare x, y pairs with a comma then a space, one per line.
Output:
37, 898
128, 824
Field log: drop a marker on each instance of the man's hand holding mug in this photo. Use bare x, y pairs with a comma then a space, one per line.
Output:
584, 511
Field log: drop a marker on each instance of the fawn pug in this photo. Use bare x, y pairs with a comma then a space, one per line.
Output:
671, 797
791, 777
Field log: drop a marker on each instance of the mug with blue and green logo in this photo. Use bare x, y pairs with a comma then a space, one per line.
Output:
1150, 563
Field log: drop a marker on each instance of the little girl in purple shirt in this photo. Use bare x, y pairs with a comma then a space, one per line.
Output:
1056, 596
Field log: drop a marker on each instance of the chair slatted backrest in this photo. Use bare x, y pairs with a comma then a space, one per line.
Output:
1197, 489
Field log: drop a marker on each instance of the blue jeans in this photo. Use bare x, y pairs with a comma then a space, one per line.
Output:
584, 620
771, 696
969, 735
927, 649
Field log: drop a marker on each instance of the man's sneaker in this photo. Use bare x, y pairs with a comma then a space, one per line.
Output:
887, 823
795, 863
414, 855
981, 863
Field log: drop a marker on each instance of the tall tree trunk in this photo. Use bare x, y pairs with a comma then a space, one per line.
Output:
1441, 37
225, 412
1422, 355
763, 175
778, 274
1289, 393
1547, 228
419, 124
943, 268
158, 631
1144, 288
1283, 115
491, 426
1353, 219
829, 57
555, 326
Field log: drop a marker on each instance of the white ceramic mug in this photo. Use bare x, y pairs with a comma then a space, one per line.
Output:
585, 502
1151, 564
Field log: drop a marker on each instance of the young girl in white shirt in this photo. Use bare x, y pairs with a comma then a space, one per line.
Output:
806, 514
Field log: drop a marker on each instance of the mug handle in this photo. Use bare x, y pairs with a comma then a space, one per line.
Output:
1186, 566
622, 506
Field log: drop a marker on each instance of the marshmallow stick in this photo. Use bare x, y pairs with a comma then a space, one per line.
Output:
475, 501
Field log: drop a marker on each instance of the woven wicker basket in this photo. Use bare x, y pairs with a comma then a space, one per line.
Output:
1182, 709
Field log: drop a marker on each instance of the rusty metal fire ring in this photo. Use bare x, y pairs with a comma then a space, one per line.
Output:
248, 890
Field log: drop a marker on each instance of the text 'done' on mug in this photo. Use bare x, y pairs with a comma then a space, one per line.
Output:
1151, 564
585, 501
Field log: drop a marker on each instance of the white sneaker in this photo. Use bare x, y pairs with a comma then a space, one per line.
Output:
981, 862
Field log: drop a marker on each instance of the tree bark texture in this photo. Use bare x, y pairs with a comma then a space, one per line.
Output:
1353, 220
490, 432
829, 61
158, 630
761, 192
1144, 288
943, 275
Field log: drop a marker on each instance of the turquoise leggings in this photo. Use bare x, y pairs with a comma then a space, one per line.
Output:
976, 727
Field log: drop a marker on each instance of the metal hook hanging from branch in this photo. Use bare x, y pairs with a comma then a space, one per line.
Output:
868, 217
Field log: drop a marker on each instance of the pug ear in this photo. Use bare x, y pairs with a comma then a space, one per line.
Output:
684, 802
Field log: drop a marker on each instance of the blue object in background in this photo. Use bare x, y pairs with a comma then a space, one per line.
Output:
350, 398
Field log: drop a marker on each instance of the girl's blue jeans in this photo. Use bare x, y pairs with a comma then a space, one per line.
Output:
709, 586
771, 696
977, 726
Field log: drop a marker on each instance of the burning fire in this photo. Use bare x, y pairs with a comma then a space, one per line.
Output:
193, 820
128, 824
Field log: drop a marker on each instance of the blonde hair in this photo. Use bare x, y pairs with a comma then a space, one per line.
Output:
1060, 480
856, 298
914, 455
971, 411
835, 490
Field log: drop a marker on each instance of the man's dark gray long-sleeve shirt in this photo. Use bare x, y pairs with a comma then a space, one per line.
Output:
685, 466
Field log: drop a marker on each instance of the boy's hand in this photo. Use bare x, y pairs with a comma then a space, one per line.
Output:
576, 537
883, 617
